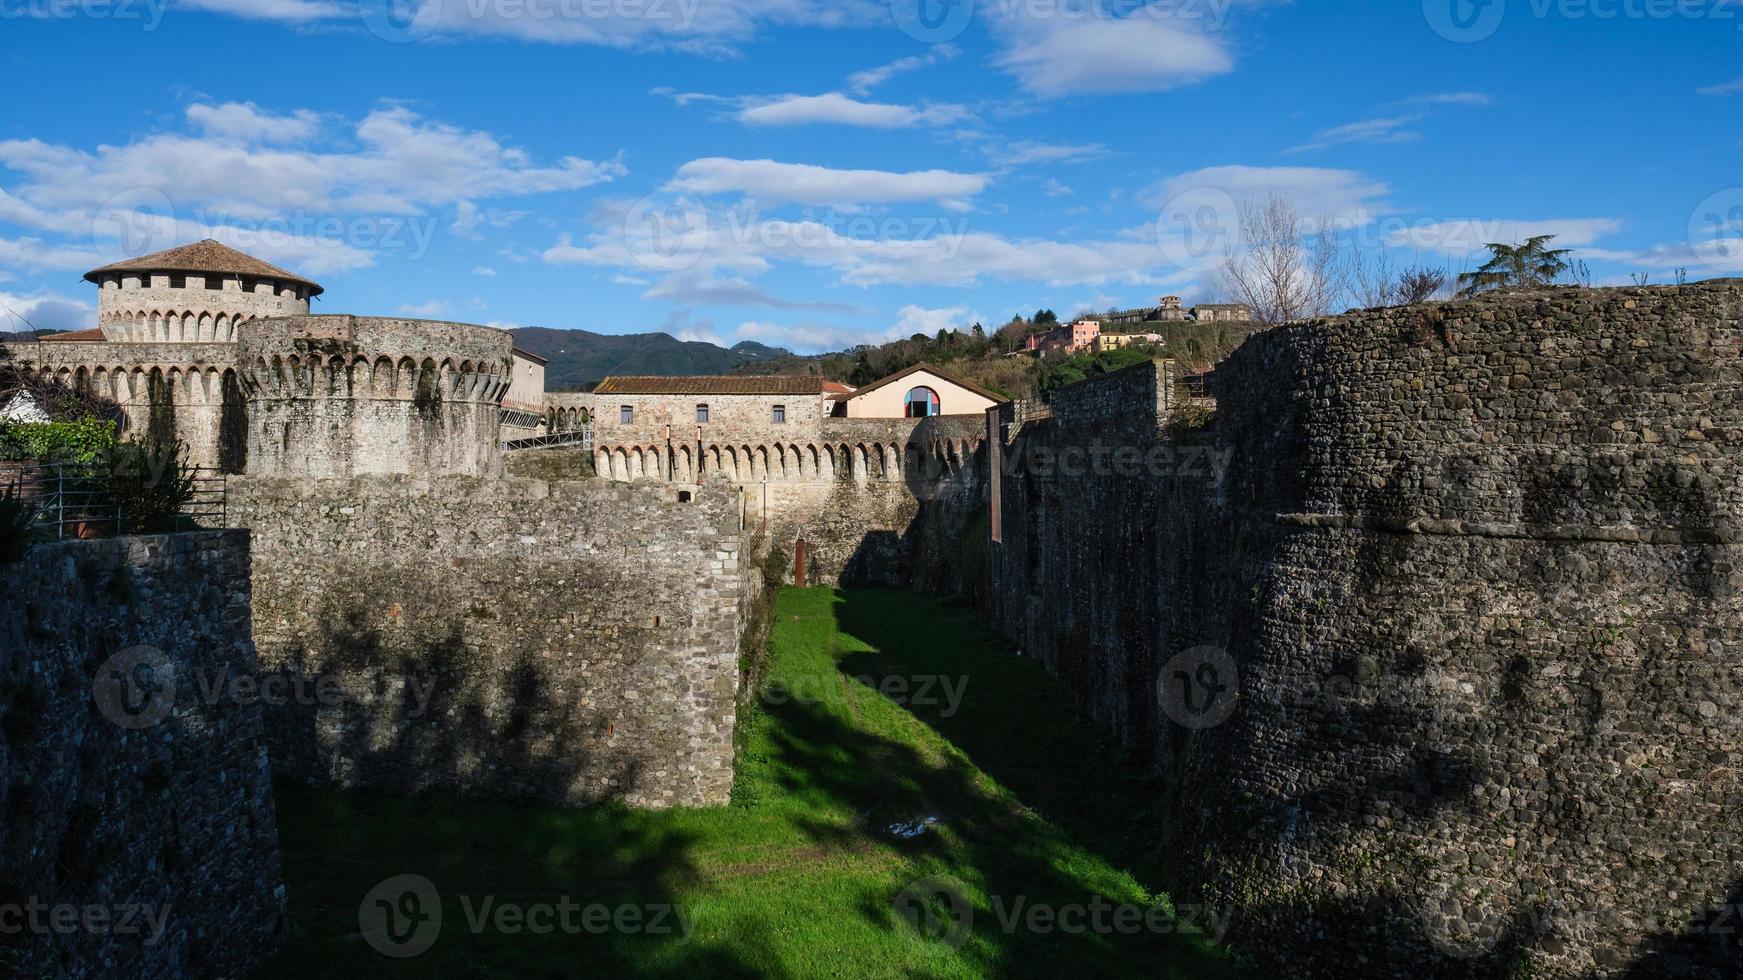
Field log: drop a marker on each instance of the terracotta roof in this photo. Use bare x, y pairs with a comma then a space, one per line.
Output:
957, 380
837, 388
206, 256
76, 335
712, 385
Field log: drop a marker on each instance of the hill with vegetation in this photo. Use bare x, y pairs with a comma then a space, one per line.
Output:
997, 360
580, 359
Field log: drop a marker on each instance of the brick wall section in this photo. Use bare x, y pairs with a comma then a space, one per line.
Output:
176, 816
582, 638
1476, 564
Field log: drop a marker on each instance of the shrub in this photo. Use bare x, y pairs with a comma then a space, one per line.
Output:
84, 441
151, 483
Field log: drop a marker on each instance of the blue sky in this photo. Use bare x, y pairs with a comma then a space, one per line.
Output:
815, 173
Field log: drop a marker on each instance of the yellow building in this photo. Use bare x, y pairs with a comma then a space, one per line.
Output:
1117, 341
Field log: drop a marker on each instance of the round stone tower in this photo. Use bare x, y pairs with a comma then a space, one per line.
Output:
197, 293
343, 396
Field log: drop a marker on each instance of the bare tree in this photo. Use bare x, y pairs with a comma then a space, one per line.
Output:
1420, 284
1285, 269
1375, 281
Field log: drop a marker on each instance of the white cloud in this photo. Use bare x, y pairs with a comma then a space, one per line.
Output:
403, 165
699, 286
485, 271
1732, 87
1451, 99
1054, 188
1384, 130
1344, 197
296, 11
434, 307
918, 319
835, 108
715, 28
1469, 236
246, 123
1392, 129
623, 280
1024, 152
35, 254
1147, 51
44, 311
864, 81
771, 182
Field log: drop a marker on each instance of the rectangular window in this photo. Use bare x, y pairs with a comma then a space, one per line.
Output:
626, 415
214, 282
178, 282
780, 414
701, 413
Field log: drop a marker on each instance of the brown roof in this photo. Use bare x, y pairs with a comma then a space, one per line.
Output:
957, 380
530, 356
837, 388
76, 335
206, 256
712, 385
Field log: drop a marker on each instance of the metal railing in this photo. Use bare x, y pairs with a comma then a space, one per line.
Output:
76, 501
582, 437
516, 418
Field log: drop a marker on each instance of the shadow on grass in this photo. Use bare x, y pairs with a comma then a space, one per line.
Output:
1063, 818
337, 847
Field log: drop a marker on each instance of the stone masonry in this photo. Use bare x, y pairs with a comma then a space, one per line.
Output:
568, 643
135, 801
1434, 633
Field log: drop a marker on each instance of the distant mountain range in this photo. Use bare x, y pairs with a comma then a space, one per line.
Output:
581, 359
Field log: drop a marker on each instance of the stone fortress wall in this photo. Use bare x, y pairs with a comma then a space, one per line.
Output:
568, 643
143, 307
1434, 634
319, 396
131, 799
338, 396
866, 495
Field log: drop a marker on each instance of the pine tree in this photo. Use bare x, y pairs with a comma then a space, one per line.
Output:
1530, 264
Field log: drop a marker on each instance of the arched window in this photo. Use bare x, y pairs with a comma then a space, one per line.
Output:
922, 403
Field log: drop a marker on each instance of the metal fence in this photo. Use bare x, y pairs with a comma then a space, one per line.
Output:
76, 501
581, 438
